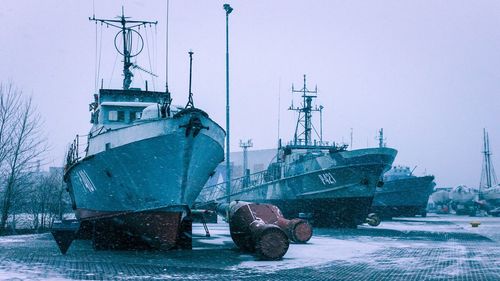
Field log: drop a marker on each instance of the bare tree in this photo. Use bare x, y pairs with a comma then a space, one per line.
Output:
45, 200
9, 105
24, 144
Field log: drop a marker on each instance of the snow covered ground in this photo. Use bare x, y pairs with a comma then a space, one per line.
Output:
443, 247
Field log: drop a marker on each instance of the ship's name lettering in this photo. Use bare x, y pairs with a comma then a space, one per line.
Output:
327, 178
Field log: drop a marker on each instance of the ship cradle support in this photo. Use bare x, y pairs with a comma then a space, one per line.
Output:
153, 229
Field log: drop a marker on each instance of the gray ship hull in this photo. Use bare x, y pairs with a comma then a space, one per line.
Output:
403, 197
340, 195
137, 177
324, 212
492, 196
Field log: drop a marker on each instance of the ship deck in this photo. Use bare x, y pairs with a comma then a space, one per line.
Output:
439, 247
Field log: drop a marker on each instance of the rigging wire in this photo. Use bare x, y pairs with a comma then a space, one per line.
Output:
140, 75
155, 52
149, 57
95, 61
99, 62
166, 56
95, 58
279, 106
113, 71
131, 43
314, 129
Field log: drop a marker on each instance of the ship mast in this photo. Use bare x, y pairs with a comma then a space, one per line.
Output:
127, 30
305, 114
488, 176
381, 138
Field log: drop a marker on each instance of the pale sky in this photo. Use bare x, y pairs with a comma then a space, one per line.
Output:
428, 72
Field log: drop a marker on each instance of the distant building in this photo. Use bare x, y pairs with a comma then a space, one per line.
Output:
258, 160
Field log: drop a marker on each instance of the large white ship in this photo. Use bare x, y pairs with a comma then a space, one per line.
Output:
144, 161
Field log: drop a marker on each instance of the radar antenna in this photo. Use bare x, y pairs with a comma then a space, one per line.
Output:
127, 32
305, 114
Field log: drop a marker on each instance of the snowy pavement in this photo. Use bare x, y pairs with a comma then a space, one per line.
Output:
443, 247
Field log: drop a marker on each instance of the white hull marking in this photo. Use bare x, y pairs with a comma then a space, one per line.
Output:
85, 179
327, 178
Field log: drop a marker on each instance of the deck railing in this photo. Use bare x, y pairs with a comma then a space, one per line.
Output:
77, 150
238, 185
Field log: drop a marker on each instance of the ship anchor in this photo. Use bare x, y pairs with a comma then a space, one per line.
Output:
194, 125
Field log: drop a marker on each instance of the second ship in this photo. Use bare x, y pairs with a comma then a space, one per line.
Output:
312, 179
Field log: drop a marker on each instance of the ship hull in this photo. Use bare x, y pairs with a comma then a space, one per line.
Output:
403, 197
143, 175
440, 197
331, 189
143, 188
492, 196
463, 200
325, 212
339, 196
381, 155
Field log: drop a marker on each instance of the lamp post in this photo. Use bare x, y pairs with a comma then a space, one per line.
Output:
228, 10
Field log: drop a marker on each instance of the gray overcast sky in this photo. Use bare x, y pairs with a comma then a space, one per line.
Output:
428, 72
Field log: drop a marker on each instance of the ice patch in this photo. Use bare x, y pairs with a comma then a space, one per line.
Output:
18, 238
17, 271
319, 251
8, 241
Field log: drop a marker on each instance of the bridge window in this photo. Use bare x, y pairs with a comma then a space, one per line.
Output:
134, 115
121, 116
114, 115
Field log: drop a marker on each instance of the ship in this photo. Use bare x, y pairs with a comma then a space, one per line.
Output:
403, 194
439, 200
144, 161
313, 179
492, 195
463, 200
489, 187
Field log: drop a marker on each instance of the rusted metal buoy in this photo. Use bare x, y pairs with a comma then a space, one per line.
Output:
261, 229
298, 230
